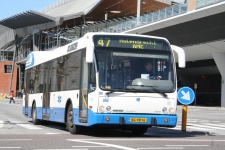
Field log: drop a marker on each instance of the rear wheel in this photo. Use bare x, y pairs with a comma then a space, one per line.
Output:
34, 115
73, 129
139, 130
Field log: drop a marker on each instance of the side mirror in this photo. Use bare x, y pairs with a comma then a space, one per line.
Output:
181, 56
90, 54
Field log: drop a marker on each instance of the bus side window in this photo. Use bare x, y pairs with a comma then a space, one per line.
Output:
92, 77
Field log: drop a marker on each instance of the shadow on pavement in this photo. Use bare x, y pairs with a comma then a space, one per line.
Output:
152, 132
107, 132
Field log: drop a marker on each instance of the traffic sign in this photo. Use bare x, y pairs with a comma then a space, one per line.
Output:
186, 95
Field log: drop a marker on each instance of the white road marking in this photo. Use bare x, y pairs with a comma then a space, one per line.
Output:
28, 126
90, 146
197, 128
204, 121
10, 147
104, 144
51, 133
198, 125
1, 123
216, 125
16, 139
23, 124
146, 148
185, 145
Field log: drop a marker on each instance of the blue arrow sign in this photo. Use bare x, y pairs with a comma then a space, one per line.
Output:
186, 95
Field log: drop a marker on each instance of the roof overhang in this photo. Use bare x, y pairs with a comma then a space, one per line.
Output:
27, 18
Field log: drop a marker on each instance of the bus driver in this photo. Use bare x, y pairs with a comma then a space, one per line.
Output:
148, 72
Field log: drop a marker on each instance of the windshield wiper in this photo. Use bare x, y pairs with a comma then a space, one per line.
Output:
120, 90
154, 89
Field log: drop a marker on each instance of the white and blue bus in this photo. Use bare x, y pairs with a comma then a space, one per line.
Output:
100, 80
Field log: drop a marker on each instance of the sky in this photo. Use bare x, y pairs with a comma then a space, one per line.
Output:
9, 8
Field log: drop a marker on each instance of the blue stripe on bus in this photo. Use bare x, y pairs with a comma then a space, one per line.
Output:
57, 115
94, 119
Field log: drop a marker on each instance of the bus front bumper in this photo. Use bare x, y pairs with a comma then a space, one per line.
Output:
132, 119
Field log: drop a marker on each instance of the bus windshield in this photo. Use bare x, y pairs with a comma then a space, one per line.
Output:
135, 70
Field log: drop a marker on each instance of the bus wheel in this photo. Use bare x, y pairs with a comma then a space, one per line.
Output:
73, 129
34, 115
139, 130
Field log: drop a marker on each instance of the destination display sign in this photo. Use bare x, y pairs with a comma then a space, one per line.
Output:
133, 42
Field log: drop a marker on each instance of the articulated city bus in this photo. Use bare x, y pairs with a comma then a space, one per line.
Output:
104, 79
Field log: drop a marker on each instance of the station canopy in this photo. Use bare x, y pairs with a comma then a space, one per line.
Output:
77, 9
74, 12
26, 19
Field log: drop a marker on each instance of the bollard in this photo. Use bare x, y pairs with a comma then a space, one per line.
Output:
184, 118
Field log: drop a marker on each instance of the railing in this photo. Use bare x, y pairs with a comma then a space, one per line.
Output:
204, 3
122, 26
148, 18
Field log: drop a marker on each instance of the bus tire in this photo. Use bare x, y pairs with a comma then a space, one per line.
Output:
73, 129
139, 130
34, 115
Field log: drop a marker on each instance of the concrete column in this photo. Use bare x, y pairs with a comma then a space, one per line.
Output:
219, 58
138, 8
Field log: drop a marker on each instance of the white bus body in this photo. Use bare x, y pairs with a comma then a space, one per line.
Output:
98, 80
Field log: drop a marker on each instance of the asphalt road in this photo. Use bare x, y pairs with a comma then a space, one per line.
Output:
205, 131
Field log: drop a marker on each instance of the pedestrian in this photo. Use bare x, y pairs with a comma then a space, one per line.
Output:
11, 97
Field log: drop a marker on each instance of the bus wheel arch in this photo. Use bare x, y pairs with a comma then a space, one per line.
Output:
34, 114
69, 101
69, 116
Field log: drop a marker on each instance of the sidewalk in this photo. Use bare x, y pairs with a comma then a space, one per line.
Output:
203, 107
17, 100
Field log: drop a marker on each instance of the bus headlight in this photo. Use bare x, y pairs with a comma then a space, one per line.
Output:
171, 110
108, 108
164, 110
101, 108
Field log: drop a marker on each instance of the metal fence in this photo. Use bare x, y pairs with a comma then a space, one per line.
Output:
204, 3
148, 18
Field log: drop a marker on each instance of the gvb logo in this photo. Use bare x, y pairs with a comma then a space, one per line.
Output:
30, 60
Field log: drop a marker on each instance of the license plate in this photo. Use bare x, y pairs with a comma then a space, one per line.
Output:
138, 119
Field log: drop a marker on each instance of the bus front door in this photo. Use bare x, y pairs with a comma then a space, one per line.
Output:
83, 102
46, 92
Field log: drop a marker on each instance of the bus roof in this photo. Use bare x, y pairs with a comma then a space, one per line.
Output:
38, 57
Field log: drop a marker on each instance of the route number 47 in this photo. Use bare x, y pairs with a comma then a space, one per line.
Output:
104, 42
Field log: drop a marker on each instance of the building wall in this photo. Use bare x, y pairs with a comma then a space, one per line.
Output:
5, 78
